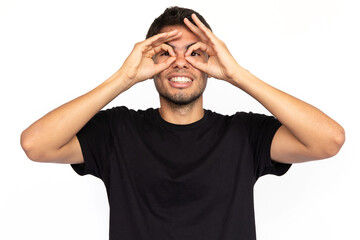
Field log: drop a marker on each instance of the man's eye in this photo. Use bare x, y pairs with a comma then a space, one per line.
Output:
165, 54
194, 54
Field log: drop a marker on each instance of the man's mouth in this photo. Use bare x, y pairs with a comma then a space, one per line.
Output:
180, 79
180, 82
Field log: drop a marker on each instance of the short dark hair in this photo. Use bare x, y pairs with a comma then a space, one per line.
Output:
173, 16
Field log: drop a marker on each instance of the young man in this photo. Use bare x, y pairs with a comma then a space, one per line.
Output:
181, 172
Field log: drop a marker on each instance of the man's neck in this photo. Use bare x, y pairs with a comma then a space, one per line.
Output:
181, 114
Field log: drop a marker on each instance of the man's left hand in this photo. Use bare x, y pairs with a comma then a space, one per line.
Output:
221, 64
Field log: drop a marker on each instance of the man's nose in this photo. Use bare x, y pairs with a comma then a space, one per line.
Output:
180, 61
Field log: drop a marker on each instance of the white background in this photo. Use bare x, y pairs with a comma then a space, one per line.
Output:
54, 51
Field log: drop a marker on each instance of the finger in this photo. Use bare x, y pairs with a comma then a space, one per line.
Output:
195, 61
166, 39
195, 30
161, 37
166, 48
199, 46
208, 33
171, 38
197, 64
164, 65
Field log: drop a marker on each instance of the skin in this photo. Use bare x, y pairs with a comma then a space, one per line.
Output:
306, 134
172, 99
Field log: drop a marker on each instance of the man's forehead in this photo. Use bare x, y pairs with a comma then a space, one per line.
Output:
168, 28
186, 32
177, 47
187, 39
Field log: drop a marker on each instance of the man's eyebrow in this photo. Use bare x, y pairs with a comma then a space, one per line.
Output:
186, 47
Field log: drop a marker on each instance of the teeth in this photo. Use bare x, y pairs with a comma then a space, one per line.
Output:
180, 79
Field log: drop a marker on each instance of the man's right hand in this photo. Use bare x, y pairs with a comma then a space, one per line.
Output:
52, 138
140, 66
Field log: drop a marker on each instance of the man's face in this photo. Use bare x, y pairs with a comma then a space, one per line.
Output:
181, 83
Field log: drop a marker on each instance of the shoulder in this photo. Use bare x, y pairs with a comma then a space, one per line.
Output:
122, 111
247, 121
123, 116
255, 119
238, 117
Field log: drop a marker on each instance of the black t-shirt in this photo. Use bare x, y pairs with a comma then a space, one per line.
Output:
179, 182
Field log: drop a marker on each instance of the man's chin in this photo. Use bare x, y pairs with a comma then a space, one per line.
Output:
180, 100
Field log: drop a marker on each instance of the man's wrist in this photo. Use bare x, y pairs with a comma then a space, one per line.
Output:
238, 76
119, 82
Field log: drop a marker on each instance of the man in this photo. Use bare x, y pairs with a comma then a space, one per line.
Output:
181, 172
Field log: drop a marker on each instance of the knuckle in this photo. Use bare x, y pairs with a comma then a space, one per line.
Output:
137, 45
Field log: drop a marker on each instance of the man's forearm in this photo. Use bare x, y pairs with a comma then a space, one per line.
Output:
59, 126
314, 129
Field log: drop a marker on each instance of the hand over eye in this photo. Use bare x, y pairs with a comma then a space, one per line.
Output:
140, 65
220, 63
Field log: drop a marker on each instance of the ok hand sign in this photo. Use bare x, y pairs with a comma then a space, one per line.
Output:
140, 66
221, 64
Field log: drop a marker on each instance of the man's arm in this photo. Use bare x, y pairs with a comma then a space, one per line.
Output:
53, 137
307, 133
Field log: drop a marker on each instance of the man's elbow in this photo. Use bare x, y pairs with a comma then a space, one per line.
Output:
336, 141
32, 151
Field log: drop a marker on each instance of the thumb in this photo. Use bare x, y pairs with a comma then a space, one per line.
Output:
164, 65
196, 64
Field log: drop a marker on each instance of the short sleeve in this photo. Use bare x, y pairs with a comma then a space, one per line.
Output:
262, 129
96, 146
